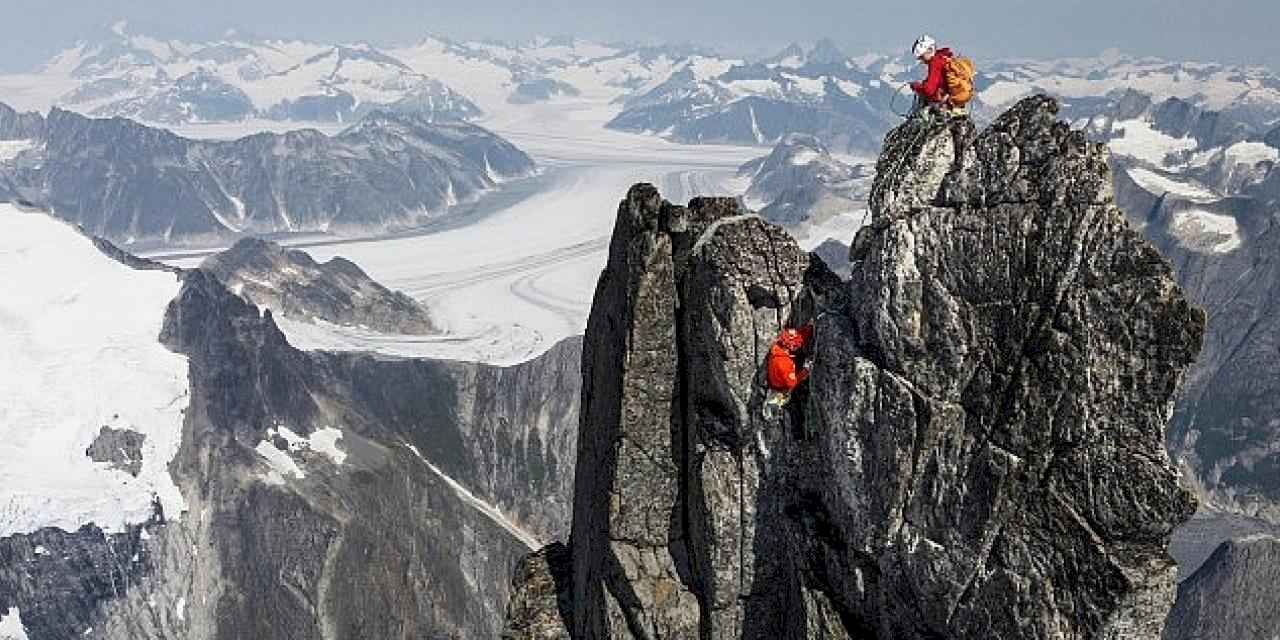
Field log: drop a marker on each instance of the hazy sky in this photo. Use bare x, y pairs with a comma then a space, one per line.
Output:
1221, 30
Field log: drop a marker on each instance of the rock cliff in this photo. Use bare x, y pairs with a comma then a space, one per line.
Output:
978, 453
322, 495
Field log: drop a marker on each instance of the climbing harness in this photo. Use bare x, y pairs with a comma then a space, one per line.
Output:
774, 403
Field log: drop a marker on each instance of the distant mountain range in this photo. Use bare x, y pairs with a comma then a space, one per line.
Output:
119, 73
134, 184
850, 103
682, 93
1205, 189
820, 199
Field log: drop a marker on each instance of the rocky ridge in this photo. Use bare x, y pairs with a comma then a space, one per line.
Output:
980, 449
134, 184
326, 494
292, 284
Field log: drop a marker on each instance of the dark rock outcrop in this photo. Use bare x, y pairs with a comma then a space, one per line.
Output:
1233, 596
120, 448
290, 283
541, 90
135, 184
1273, 138
540, 604
199, 96
978, 453
1195, 541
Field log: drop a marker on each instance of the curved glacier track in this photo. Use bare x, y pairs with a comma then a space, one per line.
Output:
516, 275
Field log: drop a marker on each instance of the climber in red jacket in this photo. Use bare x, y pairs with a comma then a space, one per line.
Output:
784, 374
932, 90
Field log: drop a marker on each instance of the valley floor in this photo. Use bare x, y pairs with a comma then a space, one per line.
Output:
519, 275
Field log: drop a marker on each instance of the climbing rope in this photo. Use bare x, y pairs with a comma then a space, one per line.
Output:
893, 102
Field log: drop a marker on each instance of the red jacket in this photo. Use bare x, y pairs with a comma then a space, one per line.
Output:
783, 373
933, 88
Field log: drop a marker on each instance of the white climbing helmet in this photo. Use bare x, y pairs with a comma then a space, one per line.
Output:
923, 45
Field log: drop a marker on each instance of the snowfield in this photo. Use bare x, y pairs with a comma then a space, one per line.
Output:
281, 463
1206, 232
1160, 185
79, 346
1141, 140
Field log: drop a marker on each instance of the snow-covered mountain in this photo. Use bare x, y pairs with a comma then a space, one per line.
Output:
174, 82
687, 95
849, 103
174, 468
818, 92
814, 195
165, 81
1250, 95
132, 183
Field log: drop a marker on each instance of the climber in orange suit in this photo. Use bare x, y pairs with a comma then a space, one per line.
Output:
784, 374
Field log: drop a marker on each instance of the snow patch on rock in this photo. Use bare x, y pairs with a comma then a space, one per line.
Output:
488, 510
1160, 185
326, 441
280, 462
11, 626
1251, 153
9, 149
1139, 139
1206, 232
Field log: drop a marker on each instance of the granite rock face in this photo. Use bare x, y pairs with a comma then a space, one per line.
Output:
338, 291
978, 453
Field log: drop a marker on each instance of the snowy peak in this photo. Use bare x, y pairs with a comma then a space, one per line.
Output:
1247, 90
824, 52
817, 197
720, 101
175, 82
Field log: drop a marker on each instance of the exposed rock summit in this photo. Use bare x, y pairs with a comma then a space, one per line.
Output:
978, 453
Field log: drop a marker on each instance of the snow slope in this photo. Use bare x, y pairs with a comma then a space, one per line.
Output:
11, 626
79, 350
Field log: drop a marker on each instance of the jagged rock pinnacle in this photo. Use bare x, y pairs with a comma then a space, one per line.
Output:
980, 449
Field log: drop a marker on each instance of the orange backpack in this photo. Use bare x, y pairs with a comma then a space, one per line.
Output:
958, 74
